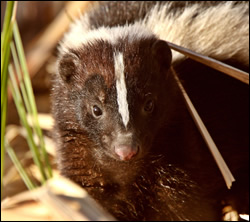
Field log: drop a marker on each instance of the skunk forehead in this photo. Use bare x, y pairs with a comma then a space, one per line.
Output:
80, 34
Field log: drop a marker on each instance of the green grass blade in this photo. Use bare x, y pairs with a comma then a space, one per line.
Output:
19, 167
23, 117
6, 35
30, 96
3, 123
20, 78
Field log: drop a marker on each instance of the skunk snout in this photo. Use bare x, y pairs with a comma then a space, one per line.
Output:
126, 152
124, 146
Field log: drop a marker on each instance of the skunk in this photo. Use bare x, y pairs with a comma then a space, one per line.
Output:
122, 128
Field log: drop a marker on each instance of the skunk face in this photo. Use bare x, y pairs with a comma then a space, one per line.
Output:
116, 89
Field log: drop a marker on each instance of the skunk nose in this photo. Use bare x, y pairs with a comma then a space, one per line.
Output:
125, 152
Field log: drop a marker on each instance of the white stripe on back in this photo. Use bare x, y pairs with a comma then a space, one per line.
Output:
121, 87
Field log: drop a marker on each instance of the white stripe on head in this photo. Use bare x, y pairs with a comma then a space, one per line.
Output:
121, 87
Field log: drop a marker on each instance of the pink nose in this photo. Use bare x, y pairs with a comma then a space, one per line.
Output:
126, 152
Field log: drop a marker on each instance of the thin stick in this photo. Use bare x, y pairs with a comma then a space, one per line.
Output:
213, 63
226, 173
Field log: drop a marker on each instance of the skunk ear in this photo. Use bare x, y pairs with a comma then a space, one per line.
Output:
68, 67
162, 53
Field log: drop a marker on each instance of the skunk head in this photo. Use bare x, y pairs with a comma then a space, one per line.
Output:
117, 84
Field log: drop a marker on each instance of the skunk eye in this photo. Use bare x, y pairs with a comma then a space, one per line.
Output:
149, 106
97, 112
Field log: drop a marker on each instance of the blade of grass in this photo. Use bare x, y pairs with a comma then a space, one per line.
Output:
6, 35
19, 166
3, 121
22, 114
21, 82
31, 98
20, 79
